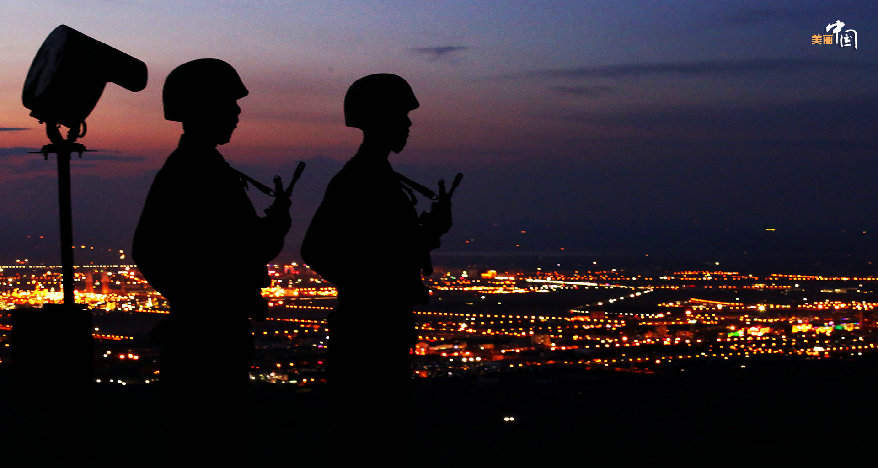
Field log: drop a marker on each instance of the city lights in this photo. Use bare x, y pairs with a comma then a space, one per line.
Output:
607, 319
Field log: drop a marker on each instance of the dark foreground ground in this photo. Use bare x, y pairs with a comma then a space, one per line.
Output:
779, 413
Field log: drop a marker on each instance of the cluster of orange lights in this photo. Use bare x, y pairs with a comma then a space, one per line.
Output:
595, 335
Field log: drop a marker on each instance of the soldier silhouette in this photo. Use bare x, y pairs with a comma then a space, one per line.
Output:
368, 240
201, 244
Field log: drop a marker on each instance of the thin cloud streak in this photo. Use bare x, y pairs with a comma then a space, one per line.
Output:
820, 122
587, 91
117, 156
770, 15
97, 155
16, 151
439, 53
706, 68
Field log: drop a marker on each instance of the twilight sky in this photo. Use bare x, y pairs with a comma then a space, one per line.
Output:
642, 127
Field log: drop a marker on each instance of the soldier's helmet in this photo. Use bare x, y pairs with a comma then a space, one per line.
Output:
193, 86
376, 96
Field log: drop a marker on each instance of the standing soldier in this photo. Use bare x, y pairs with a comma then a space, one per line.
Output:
368, 240
201, 244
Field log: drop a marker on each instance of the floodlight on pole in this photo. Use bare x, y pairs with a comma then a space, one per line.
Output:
63, 85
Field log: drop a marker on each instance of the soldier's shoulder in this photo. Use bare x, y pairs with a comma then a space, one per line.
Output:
178, 174
176, 162
350, 174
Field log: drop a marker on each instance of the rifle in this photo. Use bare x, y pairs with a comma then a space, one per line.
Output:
442, 200
429, 193
278, 189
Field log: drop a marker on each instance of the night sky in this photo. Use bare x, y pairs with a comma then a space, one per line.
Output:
712, 131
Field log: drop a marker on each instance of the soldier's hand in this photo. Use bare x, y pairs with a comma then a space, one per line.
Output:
438, 219
279, 211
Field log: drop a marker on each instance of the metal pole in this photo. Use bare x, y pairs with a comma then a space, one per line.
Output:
64, 148
66, 216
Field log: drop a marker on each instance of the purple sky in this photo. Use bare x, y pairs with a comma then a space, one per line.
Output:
597, 127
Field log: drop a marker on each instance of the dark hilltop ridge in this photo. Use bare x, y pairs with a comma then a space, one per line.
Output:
766, 413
